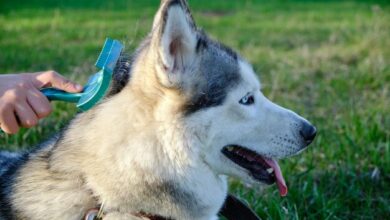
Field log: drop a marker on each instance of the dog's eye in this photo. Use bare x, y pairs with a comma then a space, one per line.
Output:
247, 100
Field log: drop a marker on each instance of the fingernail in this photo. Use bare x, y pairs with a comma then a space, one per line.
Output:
78, 87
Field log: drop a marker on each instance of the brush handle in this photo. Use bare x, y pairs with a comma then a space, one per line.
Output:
59, 95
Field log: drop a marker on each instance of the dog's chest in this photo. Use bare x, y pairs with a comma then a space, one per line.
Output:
210, 193
198, 196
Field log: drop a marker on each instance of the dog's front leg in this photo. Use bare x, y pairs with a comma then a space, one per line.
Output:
121, 216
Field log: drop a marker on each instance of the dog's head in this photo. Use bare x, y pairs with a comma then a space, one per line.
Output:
217, 96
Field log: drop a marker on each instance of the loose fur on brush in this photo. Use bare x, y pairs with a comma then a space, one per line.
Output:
154, 145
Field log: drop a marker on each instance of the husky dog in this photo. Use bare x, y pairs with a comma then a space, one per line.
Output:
184, 112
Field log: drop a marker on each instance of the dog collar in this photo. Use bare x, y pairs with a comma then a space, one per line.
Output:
97, 214
233, 209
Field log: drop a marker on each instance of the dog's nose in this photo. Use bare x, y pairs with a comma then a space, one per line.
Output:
308, 132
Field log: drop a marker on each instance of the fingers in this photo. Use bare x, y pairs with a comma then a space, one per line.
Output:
8, 122
53, 79
39, 103
24, 112
26, 115
22, 104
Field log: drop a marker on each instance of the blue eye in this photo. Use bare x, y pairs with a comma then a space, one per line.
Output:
247, 100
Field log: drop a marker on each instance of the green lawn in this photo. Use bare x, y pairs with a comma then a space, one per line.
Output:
330, 62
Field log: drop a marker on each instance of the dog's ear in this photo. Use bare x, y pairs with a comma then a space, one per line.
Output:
174, 39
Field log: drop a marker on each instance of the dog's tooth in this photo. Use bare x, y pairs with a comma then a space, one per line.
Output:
270, 170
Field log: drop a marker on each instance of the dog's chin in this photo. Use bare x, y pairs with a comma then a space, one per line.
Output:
254, 164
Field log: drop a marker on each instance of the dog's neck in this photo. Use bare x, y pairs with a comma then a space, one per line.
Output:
141, 151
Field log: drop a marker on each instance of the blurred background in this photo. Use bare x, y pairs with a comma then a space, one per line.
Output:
327, 60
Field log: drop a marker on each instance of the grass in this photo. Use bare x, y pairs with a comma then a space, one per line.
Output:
329, 61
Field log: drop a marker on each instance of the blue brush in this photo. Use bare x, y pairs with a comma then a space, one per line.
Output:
97, 84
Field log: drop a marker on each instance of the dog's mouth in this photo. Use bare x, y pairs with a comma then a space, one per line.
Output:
260, 168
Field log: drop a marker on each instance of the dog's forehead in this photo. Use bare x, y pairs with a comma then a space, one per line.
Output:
219, 65
248, 76
218, 73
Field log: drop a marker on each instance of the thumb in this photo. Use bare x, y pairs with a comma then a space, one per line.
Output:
54, 79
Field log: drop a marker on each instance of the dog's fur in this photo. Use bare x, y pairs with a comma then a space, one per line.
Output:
154, 144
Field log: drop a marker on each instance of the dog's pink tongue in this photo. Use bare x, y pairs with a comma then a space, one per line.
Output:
279, 176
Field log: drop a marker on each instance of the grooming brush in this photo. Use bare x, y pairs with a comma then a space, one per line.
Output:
97, 84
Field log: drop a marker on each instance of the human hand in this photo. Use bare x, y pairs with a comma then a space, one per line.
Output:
21, 102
